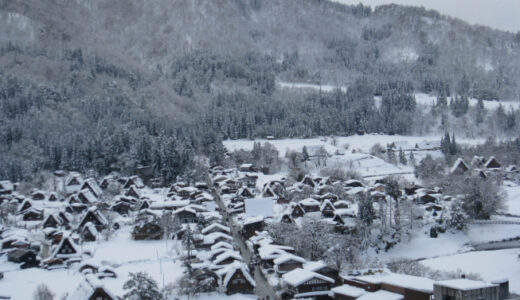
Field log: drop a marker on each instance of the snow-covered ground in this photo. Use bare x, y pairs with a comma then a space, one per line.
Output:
512, 198
310, 86
352, 152
157, 258
430, 100
360, 143
490, 265
420, 98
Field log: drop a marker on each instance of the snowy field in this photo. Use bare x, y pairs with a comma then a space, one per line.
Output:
157, 258
352, 152
310, 86
513, 198
420, 98
360, 143
490, 265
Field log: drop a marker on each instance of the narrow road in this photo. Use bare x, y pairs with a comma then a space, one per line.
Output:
263, 289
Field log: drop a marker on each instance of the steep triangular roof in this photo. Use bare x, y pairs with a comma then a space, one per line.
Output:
225, 274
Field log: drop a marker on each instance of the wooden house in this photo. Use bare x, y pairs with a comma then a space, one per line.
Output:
251, 225
26, 204
492, 163
132, 191
300, 282
227, 257
134, 180
329, 196
95, 217
106, 272
66, 249
53, 197
121, 207
310, 205
246, 168
85, 196
26, 257
297, 211
73, 183
186, 215
352, 183
288, 262
308, 181
459, 167
93, 187
324, 269
287, 219
38, 195
215, 227
32, 214
245, 192
6, 187
52, 220
91, 289
89, 233
405, 287
235, 278
147, 231
327, 209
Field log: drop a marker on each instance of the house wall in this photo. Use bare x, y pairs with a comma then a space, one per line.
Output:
445, 293
286, 267
364, 285
343, 297
239, 284
312, 287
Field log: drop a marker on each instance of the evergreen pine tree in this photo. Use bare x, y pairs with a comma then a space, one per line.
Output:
402, 157
412, 158
453, 145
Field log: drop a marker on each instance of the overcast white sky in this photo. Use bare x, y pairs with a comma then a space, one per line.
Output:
500, 14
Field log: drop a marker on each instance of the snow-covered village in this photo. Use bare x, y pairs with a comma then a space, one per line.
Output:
251, 149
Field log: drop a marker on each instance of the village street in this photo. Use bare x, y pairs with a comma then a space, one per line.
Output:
263, 289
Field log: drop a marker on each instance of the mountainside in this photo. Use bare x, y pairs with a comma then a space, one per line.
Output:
331, 41
97, 84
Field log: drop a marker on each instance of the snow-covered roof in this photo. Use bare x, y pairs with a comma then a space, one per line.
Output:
64, 240
348, 290
381, 295
227, 254
221, 245
210, 238
91, 182
91, 198
90, 227
267, 252
458, 162
298, 276
309, 202
490, 160
6, 185
229, 270
215, 226
288, 257
407, 281
253, 220
464, 284
70, 183
87, 288
315, 265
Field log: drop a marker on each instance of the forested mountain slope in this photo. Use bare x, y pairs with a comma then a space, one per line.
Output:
114, 84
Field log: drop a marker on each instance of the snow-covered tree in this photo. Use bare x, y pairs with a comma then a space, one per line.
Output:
140, 286
43, 292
